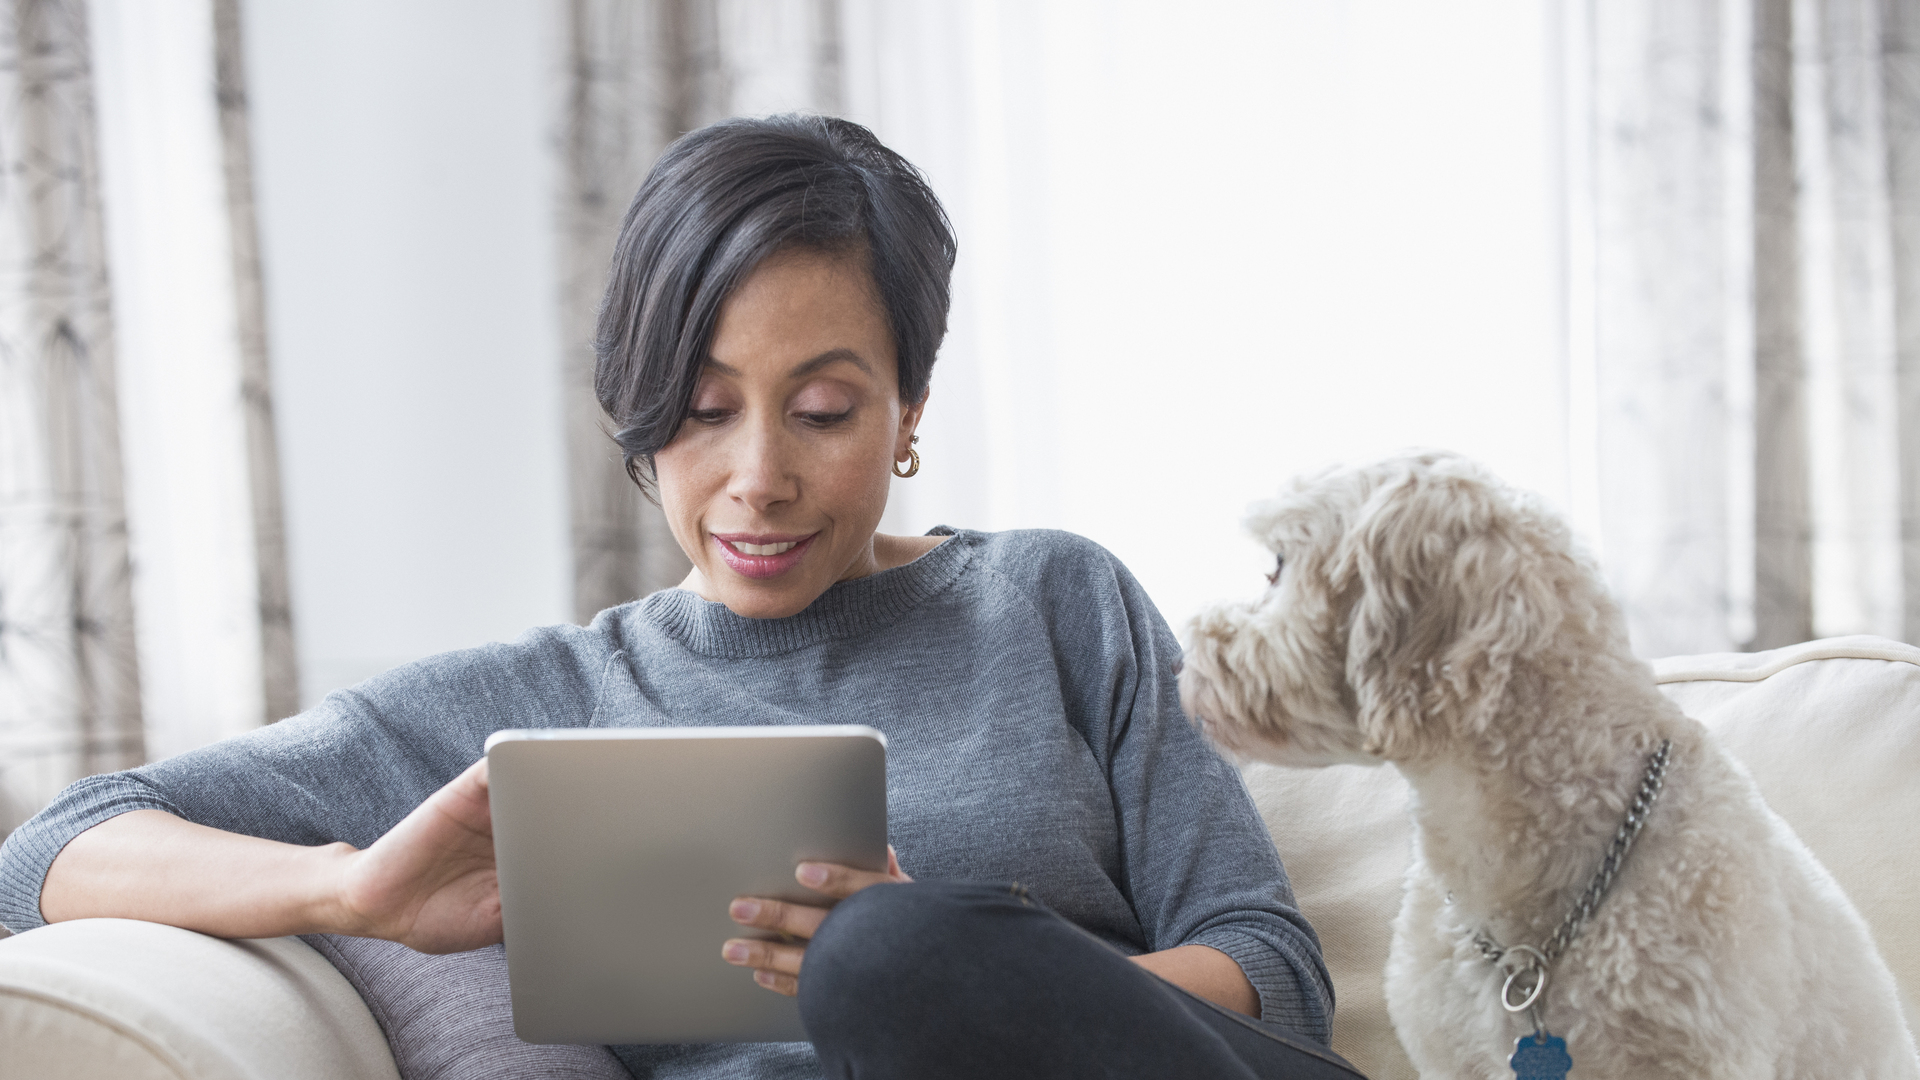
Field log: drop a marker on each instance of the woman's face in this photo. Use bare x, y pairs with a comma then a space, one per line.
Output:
775, 482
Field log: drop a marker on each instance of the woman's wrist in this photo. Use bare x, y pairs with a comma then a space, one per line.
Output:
325, 893
272, 889
1206, 972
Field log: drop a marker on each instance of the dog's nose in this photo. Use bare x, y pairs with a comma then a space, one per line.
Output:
1178, 663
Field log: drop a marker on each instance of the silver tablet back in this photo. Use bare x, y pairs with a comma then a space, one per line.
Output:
618, 851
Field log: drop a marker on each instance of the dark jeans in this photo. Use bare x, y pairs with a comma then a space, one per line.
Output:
948, 980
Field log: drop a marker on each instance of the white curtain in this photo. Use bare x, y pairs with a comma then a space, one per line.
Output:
213, 629
69, 682
1745, 185
143, 589
279, 667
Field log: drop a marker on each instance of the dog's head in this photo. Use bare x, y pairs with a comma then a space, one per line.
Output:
1405, 596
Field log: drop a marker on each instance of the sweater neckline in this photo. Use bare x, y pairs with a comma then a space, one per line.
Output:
846, 609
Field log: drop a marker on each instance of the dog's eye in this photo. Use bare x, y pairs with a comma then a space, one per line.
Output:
1279, 563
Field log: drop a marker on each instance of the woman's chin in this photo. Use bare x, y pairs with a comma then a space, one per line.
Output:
765, 596
763, 600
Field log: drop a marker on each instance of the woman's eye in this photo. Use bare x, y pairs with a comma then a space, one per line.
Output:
708, 416
1279, 563
824, 419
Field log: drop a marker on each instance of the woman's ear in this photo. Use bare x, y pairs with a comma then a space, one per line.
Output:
1451, 585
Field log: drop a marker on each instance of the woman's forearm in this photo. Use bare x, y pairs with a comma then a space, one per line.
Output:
429, 883
1205, 972
150, 865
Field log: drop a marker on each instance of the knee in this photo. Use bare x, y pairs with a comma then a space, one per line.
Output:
882, 944
885, 926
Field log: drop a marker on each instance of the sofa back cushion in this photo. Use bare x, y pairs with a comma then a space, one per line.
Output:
1830, 730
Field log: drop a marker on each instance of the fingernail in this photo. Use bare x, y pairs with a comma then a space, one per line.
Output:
811, 874
764, 978
735, 952
743, 910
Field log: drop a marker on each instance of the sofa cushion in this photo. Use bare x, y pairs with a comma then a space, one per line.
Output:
112, 998
1830, 730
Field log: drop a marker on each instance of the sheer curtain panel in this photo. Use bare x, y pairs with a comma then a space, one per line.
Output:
143, 588
213, 630
69, 682
1746, 196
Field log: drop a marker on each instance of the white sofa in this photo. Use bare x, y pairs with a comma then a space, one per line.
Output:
1830, 729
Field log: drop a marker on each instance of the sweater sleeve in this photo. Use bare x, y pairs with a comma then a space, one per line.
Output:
1199, 867
346, 770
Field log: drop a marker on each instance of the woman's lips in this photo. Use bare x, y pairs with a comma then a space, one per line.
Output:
771, 561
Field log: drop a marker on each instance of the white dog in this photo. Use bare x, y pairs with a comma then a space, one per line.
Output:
1425, 615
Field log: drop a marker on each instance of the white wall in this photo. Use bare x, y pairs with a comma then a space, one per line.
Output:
402, 154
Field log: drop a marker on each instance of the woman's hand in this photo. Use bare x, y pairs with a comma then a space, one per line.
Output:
430, 882
776, 964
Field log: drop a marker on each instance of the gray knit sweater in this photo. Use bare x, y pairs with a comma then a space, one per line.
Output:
1023, 680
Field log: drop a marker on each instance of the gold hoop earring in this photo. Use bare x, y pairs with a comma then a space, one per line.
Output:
913, 460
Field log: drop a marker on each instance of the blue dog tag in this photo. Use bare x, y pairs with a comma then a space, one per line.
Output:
1541, 1056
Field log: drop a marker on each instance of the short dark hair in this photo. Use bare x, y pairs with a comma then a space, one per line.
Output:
720, 201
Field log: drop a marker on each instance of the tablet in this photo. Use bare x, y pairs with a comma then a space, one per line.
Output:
618, 851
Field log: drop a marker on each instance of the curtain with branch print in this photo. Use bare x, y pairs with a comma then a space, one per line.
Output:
1748, 263
639, 73
69, 684
131, 315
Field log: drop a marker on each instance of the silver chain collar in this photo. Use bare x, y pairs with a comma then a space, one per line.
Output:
1540, 959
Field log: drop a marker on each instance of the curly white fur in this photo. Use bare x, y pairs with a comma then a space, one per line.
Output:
1427, 616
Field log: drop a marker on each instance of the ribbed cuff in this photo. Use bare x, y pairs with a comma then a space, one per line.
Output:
1293, 993
29, 850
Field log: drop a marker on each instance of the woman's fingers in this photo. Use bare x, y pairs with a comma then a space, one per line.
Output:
841, 882
796, 920
803, 920
778, 983
770, 957
776, 964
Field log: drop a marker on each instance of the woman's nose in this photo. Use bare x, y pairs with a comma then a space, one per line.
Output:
762, 474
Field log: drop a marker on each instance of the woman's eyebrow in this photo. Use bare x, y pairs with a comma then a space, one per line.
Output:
829, 357
804, 369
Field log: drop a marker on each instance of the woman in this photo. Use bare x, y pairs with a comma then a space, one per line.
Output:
778, 294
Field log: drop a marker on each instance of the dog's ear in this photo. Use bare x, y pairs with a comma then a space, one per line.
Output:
1451, 582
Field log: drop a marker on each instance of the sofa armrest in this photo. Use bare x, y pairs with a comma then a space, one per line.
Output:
135, 1000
